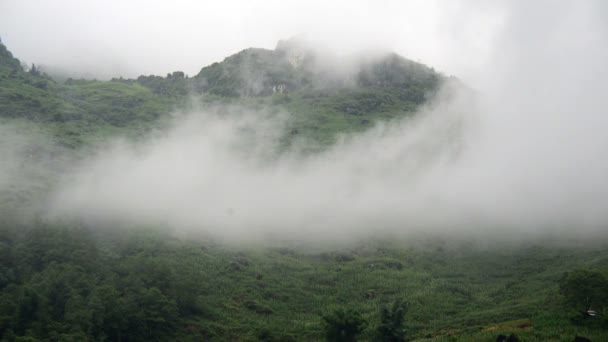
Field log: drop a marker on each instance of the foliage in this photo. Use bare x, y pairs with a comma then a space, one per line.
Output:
143, 284
584, 290
391, 327
343, 325
251, 72
321, 106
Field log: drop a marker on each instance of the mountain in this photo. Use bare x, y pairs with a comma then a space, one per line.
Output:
77, 281
311, 87
294, 68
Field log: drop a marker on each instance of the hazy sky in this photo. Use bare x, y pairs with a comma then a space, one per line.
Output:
110, 38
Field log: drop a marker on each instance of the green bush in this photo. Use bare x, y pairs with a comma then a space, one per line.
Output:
391, 327
343, 325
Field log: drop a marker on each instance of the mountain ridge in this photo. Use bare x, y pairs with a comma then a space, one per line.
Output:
313, 88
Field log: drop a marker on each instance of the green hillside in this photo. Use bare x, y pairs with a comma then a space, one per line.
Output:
321, 106
81, 282
61, 283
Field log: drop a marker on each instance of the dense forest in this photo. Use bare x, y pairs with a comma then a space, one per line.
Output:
80, 282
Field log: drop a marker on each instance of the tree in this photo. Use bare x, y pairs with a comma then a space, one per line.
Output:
35, 71
391, 323
584, 290
343, 325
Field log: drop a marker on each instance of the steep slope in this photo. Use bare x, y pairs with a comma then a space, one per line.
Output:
293, 67
325, 95
23, 94
73, 110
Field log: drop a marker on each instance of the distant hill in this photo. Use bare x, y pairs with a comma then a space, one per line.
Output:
292, 67
324, 97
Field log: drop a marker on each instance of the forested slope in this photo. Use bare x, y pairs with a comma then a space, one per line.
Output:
78, 281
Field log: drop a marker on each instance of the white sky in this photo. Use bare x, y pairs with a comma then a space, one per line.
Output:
110, 38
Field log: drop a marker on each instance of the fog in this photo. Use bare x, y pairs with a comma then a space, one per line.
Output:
223, 174
525, 155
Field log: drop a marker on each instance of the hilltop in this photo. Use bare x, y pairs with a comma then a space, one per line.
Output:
291, 77
293, 67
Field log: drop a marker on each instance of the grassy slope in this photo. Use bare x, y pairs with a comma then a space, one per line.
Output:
76, 112
238, 293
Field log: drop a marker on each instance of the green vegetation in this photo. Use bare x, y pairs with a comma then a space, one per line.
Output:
391, 328
585, 290
77, 111
343, 325
65, 282
60, 283
321, 107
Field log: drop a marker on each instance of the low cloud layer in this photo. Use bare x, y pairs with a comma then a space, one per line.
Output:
222, 174
526, 154
450, 170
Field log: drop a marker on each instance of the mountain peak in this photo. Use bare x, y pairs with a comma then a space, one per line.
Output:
296, 65
295, 49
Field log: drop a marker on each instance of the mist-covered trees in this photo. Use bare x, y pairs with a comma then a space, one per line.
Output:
74, 284
65, 286
584, 290
323, 103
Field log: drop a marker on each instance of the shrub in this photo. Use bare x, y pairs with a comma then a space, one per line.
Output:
343, 325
